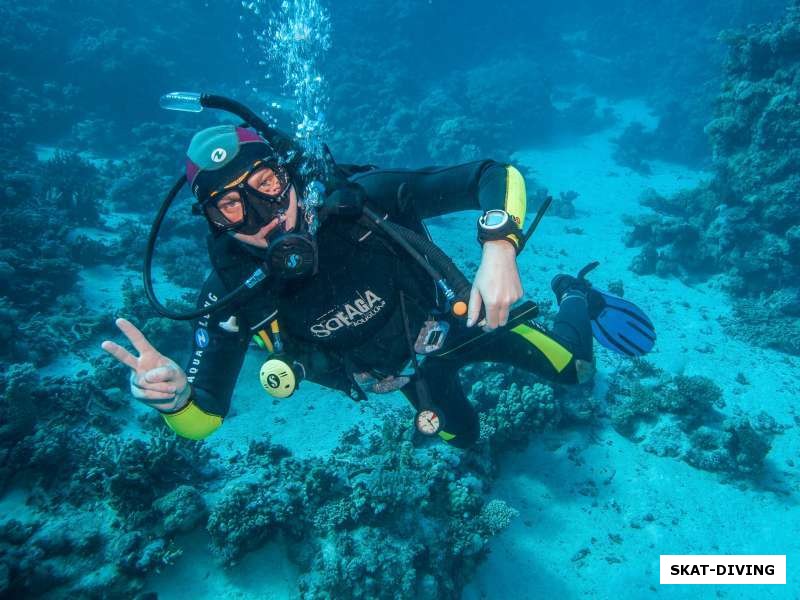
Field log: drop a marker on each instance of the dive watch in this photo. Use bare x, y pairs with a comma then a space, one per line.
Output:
497, 224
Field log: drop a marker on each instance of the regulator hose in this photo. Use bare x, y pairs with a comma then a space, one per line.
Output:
448, 277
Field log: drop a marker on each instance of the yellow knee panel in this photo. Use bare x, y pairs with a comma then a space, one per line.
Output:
558, 356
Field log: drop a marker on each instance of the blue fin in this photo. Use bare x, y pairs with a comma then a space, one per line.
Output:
623, 327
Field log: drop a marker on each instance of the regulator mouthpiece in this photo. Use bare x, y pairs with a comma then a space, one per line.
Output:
183, 101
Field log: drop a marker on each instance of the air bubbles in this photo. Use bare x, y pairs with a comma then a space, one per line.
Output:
292, 40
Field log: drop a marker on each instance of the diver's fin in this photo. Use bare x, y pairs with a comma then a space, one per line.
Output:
620, 325
617, 324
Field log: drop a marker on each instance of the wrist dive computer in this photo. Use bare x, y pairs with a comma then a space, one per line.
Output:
497, 224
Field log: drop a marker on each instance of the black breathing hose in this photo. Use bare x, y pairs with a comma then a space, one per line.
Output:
251, 281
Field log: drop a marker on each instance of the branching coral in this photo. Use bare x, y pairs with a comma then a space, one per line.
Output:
518, 412
736, 448
143, 471
692, 400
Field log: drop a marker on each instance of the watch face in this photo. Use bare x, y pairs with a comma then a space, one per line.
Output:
494, 218
428, 422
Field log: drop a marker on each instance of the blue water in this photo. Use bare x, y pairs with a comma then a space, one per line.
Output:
666, 132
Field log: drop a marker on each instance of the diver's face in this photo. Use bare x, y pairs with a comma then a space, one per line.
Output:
287, 222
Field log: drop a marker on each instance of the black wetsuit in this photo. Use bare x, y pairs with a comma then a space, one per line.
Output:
347, 319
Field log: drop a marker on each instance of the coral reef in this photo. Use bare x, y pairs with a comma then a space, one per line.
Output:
79, 555
347, 517
102, 508
771, 322
736, 448
689, 398
679, 416
743, 223
361, 522
72, 184
563, 206
18, 415
679, 137
510, 412
632, 147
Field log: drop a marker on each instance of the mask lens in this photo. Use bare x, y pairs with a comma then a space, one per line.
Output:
269, 181
228, 211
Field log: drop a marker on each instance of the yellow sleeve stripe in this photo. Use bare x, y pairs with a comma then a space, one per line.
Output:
515, 203
192, 422
558, 356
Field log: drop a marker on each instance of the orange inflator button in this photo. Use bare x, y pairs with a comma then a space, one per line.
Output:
460, 308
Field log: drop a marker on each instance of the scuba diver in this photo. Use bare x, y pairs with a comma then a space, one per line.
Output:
331, 270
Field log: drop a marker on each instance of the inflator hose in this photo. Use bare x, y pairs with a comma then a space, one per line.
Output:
439, 260
281, 142
430, 257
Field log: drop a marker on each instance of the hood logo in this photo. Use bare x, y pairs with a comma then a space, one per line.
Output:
219, 155
201, 337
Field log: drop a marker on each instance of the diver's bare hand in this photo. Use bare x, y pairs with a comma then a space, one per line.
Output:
155, 379
497, 285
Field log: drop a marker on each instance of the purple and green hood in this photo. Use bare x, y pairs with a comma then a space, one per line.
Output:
219, 154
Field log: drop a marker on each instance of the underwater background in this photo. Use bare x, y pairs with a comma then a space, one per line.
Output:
668, 134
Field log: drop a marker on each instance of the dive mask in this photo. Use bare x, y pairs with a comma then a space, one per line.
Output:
250, 201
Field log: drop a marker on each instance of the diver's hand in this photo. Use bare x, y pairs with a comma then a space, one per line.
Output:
497, 285
155, 379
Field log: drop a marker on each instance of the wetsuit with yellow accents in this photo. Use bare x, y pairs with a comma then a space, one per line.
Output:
347, 318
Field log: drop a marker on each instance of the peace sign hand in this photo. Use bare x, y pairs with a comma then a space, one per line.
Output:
155, 380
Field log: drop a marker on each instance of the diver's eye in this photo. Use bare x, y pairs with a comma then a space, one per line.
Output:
231, 208
268, 182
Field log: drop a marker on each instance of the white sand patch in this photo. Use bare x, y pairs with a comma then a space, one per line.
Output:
266, 574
